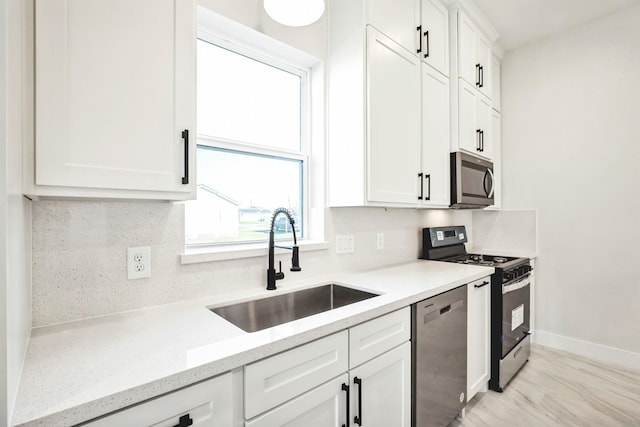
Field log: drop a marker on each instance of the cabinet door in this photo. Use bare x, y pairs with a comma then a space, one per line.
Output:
495, 83
115, 88
467, 55
324, 406
397, 19
484, 59
207, 404
496, 137
468, 130
485, 125
478, 336
381, 390
435, 35
436, 132
393, 121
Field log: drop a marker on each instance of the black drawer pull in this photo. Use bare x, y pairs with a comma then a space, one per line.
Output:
184, 421
481, 285
358, 418
345, 387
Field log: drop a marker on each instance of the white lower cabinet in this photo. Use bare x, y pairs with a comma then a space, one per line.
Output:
272, 381
381, 390
208, 404
478, 336
321, 407
356, 377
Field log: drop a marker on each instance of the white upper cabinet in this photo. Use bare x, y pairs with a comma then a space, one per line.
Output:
375, 122
435, 35
435, 138
473, 61
485, 126
467, 50
397, 19
495, 83
373, 112
474, 54
115, 99
393, 119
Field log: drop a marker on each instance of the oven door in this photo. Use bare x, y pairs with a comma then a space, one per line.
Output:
515, 312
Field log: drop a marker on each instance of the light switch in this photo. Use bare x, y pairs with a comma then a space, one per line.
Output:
345, 244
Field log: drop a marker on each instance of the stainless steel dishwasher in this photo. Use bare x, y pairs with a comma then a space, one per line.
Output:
439, 347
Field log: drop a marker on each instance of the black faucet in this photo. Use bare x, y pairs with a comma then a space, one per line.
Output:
272, 276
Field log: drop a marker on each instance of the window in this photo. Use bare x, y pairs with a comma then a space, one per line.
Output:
252, 145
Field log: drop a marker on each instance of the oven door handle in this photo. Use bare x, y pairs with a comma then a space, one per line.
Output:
515, 286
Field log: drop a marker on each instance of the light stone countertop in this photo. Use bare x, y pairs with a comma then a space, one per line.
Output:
77, 371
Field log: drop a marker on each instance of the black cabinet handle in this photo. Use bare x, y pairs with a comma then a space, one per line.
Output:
481, 76
419, 30
428, 177
421, 187
185, 178
477, 74
478, 140
426, 34
481, 285
184, 421
345, 387
358, 418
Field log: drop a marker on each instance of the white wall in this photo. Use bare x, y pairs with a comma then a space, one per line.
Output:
15, 211
571, 150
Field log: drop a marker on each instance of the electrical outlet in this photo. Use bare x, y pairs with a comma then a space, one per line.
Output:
138, 263
380, 240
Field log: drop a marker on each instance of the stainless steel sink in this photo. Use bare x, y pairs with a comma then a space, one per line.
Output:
264, 313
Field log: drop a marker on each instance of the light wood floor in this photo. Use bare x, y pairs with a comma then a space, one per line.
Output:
556, 388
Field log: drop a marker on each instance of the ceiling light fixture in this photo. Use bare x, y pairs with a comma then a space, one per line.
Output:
294, 13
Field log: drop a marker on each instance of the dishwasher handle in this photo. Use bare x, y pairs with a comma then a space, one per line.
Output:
437, 312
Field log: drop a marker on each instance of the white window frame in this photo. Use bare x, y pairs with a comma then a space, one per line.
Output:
228, 34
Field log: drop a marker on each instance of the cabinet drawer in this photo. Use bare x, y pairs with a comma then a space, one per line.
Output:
207, 404
323, 406
272, 381
376, 336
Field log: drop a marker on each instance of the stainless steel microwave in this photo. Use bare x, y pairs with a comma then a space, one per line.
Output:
472, 182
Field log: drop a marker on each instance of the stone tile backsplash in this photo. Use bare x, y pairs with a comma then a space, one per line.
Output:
79, 254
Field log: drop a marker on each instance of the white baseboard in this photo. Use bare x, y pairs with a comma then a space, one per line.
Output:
602, 353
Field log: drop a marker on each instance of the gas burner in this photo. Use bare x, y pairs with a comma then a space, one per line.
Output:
500, 259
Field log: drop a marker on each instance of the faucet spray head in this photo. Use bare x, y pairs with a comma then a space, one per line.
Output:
295, 261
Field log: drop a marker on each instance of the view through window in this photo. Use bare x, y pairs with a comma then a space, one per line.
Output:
251, 151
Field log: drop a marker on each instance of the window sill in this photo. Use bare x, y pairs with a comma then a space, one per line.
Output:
229, 252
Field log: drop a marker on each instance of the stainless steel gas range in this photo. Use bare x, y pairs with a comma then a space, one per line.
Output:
510, 299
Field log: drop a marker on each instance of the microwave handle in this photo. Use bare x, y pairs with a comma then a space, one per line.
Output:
488, 192
493, 183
